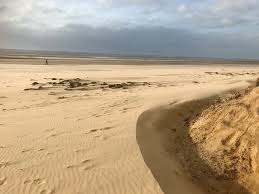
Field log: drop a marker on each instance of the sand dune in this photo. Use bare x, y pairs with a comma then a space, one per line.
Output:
207, 145
63, 131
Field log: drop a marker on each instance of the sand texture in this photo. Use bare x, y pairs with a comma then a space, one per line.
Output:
210, 142
226, 138
121, 129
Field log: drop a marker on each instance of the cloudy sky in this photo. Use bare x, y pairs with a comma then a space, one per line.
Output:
197, 28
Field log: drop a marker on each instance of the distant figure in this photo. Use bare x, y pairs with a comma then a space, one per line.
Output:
46, 63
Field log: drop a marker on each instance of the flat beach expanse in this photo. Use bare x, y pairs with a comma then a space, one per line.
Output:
82, 125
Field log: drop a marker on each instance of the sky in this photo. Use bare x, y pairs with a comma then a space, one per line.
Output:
191, 28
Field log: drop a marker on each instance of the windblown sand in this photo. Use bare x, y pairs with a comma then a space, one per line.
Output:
93, 129
226, 139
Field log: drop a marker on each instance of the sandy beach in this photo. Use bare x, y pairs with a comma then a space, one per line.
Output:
100, 128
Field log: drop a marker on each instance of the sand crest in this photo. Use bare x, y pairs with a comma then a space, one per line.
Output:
226, 137
203, 146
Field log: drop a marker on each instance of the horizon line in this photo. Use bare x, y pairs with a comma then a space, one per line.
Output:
85, 54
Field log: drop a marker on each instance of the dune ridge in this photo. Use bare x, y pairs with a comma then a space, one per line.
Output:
206, 145
226, 136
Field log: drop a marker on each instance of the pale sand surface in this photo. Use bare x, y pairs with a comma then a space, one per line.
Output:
84, 141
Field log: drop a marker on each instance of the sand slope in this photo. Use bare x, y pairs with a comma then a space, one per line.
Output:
226, 137
203, 146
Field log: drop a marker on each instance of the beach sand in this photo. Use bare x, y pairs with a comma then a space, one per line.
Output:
104, 128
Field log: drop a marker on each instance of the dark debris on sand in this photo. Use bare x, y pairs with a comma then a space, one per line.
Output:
35, 83
83, 84
38, 88
231, 73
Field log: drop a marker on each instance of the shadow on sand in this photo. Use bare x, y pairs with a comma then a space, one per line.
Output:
166, 146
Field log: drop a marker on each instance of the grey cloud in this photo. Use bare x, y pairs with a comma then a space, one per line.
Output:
139, 3
31, 12
105, 13
139, 41
221, 13
3, 8
200, 28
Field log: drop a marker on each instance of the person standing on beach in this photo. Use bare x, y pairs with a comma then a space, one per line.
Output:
46, 63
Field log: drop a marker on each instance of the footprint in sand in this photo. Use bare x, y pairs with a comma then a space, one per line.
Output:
26, 150
80, 150
6, 164
47, 191
83, 165
96, 115
34, 182
93, 130
38, 181
3, 165
106, 128
101, 129
85, 161
54, 135
106, 137
49, 130
41, 149
2, 180
89, 167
